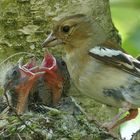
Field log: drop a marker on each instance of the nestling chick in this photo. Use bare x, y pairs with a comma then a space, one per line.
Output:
99, 68
31, 85
19, 82
56, 78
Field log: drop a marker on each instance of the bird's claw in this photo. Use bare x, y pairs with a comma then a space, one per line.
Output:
107, 125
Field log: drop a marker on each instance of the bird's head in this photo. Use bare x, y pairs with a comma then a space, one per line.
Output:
19, 81
12, 77
72, 31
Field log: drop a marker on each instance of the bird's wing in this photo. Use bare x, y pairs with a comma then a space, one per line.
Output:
116, 58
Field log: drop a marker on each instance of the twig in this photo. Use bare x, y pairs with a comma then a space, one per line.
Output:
5, 110
19, 136
1, 63
51, 109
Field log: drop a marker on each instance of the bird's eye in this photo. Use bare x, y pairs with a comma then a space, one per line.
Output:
66, 29
63, 63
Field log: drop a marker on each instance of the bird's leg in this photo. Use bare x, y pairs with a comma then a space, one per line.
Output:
110, 125
132, 115
117, 121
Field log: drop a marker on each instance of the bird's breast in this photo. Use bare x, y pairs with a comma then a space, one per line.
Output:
99, 81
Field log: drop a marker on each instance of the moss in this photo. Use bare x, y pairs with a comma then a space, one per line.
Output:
53, 124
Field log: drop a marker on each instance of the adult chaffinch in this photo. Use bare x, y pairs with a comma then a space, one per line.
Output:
99, 68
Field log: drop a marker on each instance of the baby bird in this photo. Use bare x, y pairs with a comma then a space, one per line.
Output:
99, 68
19, 81
56, 79
29, 85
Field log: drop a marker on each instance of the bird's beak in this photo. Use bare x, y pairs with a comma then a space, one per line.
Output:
51, 41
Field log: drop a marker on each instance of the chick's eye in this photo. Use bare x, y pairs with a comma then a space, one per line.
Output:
63, 63
14, 73
66, 29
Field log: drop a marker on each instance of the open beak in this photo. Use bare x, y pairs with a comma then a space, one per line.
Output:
51, 41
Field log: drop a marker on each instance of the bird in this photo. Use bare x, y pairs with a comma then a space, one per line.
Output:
53, 85
18, 83
56, 77
99, 68
30, 85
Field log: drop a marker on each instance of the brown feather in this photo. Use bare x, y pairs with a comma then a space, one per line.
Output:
112, 45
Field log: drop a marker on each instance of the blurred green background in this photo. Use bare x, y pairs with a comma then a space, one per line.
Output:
126, 17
